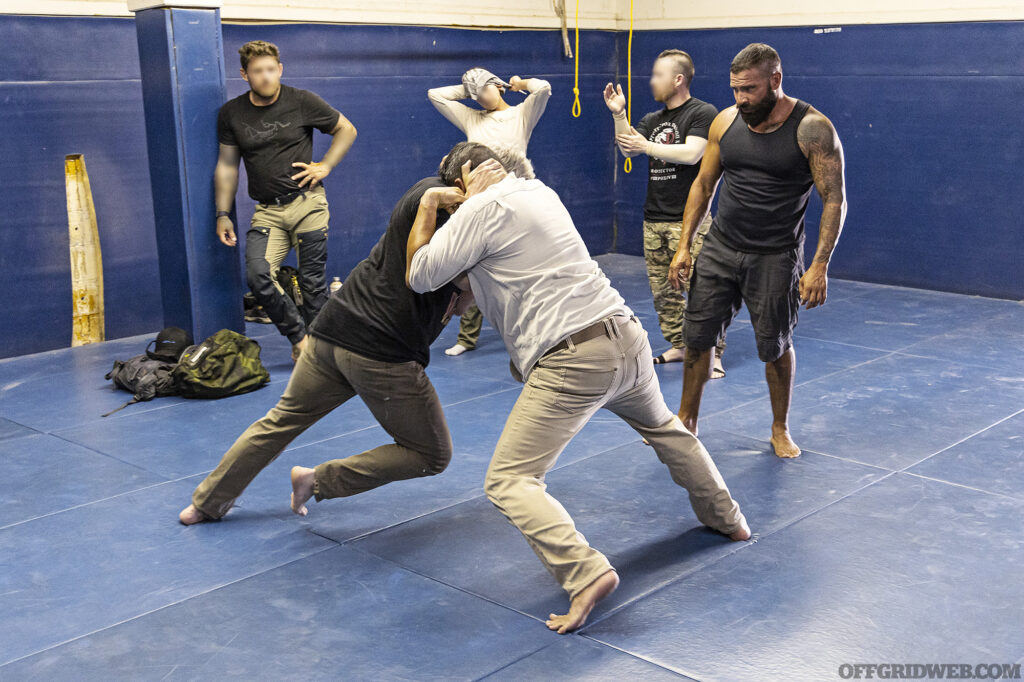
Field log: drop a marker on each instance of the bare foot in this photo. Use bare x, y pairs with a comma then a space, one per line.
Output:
742, 534
302, 489
190, 516
782, 443
584, 603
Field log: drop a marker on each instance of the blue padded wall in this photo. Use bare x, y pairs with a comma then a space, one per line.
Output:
86, 97
929, 115
72, 85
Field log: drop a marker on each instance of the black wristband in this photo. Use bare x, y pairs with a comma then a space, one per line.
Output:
223, 214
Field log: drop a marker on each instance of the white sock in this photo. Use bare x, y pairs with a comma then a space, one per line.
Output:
457, 349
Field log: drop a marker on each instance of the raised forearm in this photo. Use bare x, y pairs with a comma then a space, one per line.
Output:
535, 84
622, 128
448, 93
445, 100
422, 230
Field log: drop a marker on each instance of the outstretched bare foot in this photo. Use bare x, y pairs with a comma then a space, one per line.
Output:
190, 516
782, 443
584, 603
742, 534
302, 489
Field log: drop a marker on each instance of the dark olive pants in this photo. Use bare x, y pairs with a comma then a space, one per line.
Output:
399, 395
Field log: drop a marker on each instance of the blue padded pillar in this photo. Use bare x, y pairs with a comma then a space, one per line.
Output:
182, 63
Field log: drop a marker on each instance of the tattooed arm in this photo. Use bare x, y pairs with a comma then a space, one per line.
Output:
820, 144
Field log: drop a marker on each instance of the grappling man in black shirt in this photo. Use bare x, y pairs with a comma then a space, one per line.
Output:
372, 339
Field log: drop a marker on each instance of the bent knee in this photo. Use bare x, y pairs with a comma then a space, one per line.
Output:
438, 458
494, 485
438, 463
497, 486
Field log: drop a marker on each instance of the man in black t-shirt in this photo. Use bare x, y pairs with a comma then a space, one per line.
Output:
372, 339
673, 138
271, 129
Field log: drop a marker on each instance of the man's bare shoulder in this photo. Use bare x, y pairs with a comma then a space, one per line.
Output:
816, 132
722, 122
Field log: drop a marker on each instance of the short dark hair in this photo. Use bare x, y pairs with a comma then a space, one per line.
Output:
756, 55
257, 48
684, 63
476, 153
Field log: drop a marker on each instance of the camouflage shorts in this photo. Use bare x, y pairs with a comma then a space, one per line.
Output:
661, 239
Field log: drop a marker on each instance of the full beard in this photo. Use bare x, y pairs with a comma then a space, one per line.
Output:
757, 114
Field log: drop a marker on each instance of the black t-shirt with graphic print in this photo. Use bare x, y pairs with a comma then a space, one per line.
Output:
273, 137
668, 184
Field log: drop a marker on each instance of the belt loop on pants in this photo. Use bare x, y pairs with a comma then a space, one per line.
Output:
609, 328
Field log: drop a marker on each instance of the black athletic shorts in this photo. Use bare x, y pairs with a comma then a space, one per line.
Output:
723, 278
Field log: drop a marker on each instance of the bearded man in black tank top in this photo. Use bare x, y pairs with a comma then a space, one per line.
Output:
768, 151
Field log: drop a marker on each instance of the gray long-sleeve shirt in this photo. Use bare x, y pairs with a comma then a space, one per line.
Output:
531, 273
510, 127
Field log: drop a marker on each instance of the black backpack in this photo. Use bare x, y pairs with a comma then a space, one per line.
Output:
143, 377
226, 363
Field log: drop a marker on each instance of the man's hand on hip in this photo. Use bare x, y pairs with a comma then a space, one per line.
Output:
312, 173
226, 231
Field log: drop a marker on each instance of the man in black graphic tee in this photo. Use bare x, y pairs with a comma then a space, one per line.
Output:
673, 138
271, 129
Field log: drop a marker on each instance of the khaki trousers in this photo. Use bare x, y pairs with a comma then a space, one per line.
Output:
302, 225
562, 393
399, 395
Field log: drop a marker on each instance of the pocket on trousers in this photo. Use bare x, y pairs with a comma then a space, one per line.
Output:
312, 237
653, 242
582, 388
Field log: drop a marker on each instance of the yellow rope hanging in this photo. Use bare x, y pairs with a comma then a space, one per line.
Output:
576, 109
628, 166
